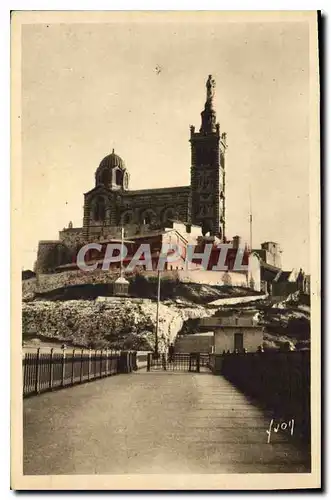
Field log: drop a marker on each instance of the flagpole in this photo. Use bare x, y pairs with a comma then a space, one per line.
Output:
250, 220
157, 313
249, 274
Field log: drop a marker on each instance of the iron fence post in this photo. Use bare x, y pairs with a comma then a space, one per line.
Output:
63, 366
101, 363
24, 373
73, 367
37, 371
89, 364
95, 363
115, 360
124, 362
107, 362
51, 369
149, 355
198, 362
81, 366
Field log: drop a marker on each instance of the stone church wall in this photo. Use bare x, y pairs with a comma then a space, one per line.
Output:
129, 208
157, 204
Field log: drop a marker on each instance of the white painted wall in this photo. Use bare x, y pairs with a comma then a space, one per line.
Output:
254, 272
224, 338
192, 236
213, 277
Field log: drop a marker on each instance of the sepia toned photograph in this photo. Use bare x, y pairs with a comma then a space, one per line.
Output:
166, 250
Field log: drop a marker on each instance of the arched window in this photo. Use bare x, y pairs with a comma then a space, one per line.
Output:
148, 217
105, 177
119, 177
169, 216
127, 218
206, 228
99, 210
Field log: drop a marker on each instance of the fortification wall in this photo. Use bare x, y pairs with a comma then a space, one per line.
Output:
47, 256
47, 282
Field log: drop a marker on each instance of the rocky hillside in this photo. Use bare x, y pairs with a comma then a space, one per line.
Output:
85, 313
113, 323
286, 322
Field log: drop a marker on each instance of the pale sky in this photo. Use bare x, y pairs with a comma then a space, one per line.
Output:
88, 88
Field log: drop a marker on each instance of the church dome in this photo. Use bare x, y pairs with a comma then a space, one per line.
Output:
112, 173
112, 161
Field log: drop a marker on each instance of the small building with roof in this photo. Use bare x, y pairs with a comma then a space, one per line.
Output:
234, 331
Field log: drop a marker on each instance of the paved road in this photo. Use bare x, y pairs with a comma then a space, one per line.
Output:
152, 423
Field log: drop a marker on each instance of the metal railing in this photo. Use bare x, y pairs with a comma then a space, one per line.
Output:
47, 371
189, 362
278, 380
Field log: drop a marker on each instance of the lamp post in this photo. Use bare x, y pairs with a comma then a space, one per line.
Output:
121, 285
157, 313
122, 247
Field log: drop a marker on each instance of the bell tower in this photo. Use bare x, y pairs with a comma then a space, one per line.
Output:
208, 148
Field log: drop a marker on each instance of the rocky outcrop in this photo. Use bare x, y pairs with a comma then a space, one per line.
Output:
107, 322
53, 307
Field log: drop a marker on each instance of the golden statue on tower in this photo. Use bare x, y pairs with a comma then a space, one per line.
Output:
210, 84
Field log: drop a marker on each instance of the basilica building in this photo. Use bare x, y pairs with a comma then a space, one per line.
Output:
111, 204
